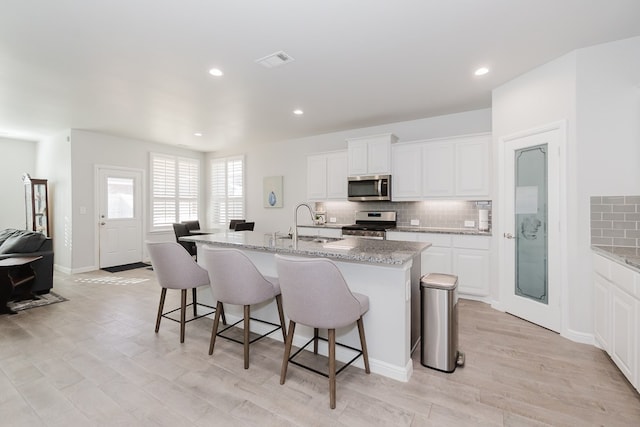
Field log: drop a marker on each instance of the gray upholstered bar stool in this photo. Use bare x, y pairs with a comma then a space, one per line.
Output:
236, 280
176, 269
315, 294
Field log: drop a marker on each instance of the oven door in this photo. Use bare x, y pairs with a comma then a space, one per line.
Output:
369, 188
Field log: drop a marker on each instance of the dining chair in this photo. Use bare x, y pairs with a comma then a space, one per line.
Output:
181, 230
233, 222
244, 226
192, 225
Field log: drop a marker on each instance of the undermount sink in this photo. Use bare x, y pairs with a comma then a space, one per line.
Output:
315, 239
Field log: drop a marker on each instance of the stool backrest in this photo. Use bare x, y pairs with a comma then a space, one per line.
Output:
234, 278
314, 293
174, 267
242, 226
192, 225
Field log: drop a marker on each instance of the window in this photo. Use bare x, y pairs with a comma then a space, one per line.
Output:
174, 186
227, 189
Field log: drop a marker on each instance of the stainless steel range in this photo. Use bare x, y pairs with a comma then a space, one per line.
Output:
371, 225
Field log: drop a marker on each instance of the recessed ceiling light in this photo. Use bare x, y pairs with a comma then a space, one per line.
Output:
298, 112
481, 71
216, 72
197, 134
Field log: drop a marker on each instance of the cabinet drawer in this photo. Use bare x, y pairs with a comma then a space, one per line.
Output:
472, 242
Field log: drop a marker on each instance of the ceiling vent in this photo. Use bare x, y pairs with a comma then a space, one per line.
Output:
275, 60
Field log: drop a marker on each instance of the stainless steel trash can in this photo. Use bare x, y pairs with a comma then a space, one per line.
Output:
439, 322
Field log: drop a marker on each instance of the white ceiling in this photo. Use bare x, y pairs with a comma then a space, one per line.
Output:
139, 68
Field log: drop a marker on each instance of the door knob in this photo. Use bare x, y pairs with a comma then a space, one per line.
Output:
509, 236
102, 223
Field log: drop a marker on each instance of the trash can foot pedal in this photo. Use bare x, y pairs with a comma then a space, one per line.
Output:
460, 359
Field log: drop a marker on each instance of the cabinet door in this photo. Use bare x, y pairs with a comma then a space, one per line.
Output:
406, 172
472, 268
337, 176
357, 157
438, 169
379, 156
317, 177
472, 168
601, 312
436, 259
623, 332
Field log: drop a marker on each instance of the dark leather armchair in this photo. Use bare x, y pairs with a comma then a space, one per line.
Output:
20, 243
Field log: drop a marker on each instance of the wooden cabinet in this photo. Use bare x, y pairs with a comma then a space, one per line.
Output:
327, 176
452, 167
36, 204
370, 155
466, 256
616, 307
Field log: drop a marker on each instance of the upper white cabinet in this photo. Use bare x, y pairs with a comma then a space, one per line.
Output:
370, 155
451, 167
327, 176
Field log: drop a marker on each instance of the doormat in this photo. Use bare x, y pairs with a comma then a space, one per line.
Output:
125, 267
39, 301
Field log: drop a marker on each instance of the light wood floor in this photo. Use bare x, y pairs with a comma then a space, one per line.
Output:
95, 360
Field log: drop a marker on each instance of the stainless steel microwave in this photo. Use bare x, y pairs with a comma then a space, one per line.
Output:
369, 188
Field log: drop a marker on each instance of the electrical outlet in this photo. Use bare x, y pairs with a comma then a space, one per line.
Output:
469, 223
415, 222
332, 219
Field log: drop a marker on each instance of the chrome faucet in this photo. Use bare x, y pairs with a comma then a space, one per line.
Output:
295, 219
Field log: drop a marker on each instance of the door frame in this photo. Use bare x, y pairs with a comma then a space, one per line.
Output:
561, 275
96, 208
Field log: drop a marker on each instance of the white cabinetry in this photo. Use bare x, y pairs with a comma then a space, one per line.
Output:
370, 155
452, 167
468, 257
327, 176
616, 296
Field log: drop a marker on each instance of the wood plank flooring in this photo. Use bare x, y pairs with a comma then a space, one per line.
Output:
95, 360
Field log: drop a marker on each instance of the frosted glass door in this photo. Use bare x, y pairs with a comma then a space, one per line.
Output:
531, 218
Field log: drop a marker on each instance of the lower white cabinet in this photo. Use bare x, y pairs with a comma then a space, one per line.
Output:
616, 299
466, 256
602, 312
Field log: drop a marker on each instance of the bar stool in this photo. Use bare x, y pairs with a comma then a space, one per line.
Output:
236, 280
176, 269
315, 294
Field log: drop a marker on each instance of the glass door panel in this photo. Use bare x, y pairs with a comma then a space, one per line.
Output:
531, 218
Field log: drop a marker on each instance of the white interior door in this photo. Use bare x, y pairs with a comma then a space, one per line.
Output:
120, 216
530, 282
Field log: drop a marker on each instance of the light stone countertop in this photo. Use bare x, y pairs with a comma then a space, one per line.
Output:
627, 256
350, 249
437, 230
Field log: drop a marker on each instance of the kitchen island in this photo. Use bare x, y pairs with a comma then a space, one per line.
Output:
388, 272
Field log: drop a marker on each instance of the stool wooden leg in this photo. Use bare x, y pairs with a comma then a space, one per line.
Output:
283, 326
195, 303
287, 350
214, 331
247, 312
224, 318
183, 309
363, 345
163, 294
332, 368
315, 340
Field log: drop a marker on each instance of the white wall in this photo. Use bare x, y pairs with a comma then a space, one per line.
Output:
289, 159
53, 162
17, 158
89, 149
596, 90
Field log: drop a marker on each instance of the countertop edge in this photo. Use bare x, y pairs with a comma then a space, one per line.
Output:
630, 261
